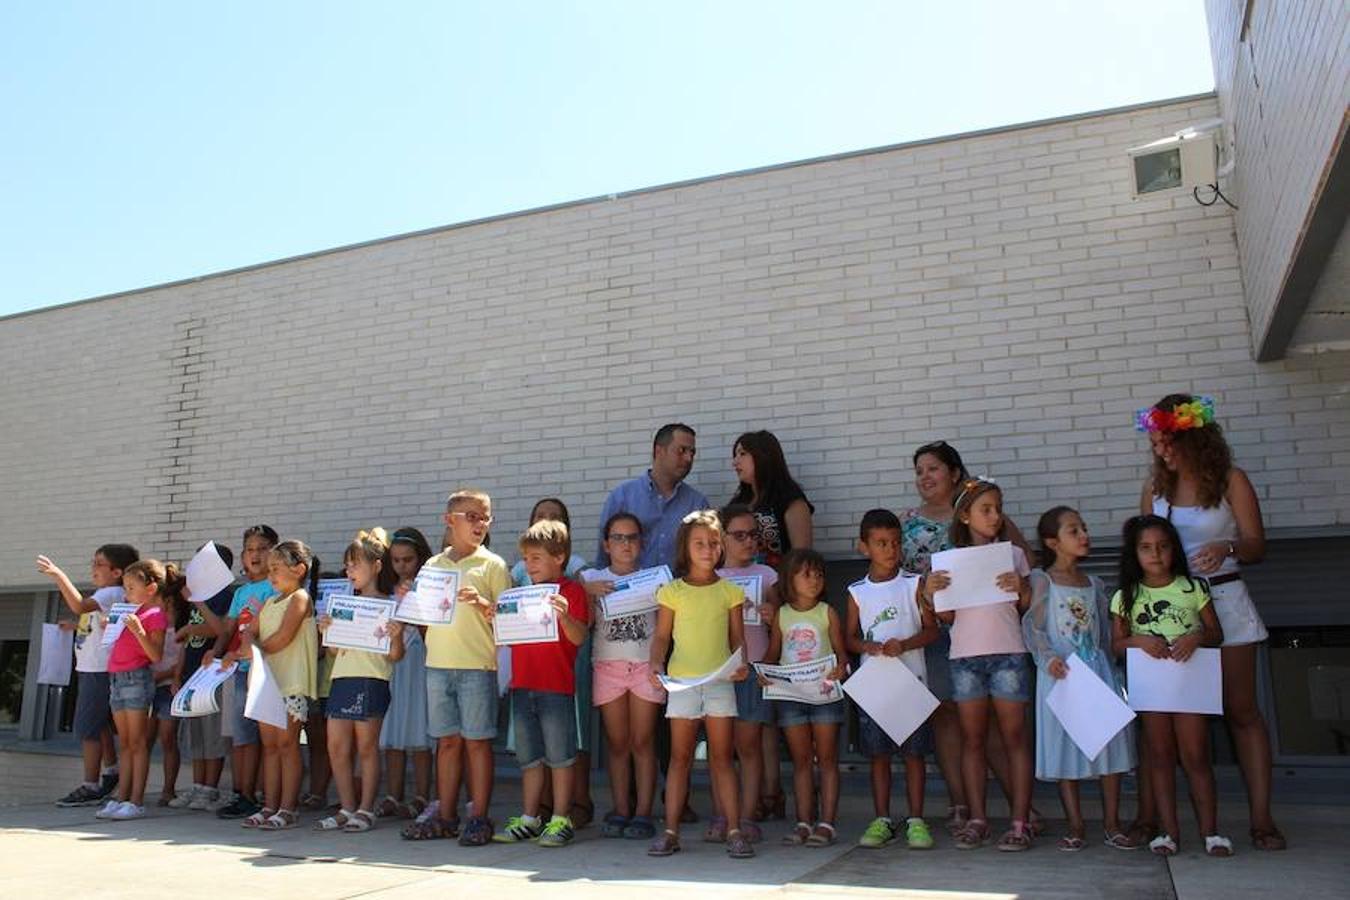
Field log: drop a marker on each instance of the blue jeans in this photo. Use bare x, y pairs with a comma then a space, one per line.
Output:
134, 690
1003, 676
874, 741
546, 728
462, 702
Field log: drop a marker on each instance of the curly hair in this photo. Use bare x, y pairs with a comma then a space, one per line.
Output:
1206, 453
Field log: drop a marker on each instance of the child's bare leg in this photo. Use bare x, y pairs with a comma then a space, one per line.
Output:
614, 715
916, 778
642, 717
722, 761
949, 751
340, 762
1192, 733
1163, 769
396, 768
1111, 803
881, 786
974, 716
749, 750
826, 740
449, 773
1012, 718
1073, 810
683, 737
803, 770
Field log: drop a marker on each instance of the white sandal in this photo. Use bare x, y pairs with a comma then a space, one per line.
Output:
257, 819
1218, 845
361, 820
336, 822
1163, 845
280, 820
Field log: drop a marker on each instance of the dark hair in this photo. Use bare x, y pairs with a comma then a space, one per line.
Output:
1047, 528
877, 518
566, 517
1207, 451
619, 516
699, 518
387, 579
266, 532
666, 433
169, 583
119, 556
795, 561
225, 553
946, 454
1131, 573
296, 553
734, 511
959, 532
774, 485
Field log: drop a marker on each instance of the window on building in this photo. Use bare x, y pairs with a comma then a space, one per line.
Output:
1310, 674
13, 670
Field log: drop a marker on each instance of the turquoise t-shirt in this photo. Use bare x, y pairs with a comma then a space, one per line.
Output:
250, 596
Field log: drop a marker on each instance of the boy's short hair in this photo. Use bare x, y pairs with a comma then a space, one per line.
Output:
875, 519
547, 535
666, 433
119, 556
467, 495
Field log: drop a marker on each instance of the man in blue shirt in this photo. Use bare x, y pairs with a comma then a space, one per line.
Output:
659, 498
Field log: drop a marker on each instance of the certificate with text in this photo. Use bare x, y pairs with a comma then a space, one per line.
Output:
753, 587
359, 623
634, 594
431, 601
525, 616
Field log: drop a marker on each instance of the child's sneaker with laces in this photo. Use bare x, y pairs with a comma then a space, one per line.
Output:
108, 809
185, 799
127, 810
205, 799
878, 834
519, 828
917, 835
84, 795
557, 833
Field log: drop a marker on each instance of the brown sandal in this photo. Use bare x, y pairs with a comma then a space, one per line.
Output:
1269, 839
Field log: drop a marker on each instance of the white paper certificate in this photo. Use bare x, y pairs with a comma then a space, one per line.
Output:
974, 572
524, 616
634, 594
1089, 710
117, 620
891, 695
55, 659
197, 696
1165, 685
207, 574
358, 623
804, 682
753, 588
431, 601
721, 673
328, 588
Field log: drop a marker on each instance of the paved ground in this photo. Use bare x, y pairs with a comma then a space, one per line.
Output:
50, 852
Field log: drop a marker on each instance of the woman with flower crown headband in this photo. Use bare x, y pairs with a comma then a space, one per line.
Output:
1194, 485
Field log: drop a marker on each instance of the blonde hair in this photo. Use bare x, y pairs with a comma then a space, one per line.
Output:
548, 535
369, 545
464, 495
700, 518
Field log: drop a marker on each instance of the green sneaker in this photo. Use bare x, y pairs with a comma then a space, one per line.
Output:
880, 833
557, 833
518, 828
917, 834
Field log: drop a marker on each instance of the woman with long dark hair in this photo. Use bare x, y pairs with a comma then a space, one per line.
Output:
773, 495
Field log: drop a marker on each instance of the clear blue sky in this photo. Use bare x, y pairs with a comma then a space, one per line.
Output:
149, 141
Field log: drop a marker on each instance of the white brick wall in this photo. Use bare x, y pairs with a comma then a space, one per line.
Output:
998, 290
1284, 88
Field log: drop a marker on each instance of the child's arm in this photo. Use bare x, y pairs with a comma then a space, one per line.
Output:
665, 627
837, 640
152, 642
736, 637
1209, 635
321, 624
78, 603
1122, 640
394, 628
1035, 628
928, 631
575, 629
1014, 582
934, 582
854, 636
775, 651
296, 611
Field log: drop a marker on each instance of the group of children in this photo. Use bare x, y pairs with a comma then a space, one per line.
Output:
438, 687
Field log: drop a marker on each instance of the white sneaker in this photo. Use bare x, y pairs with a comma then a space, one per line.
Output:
204, 798
108, 809
220, 800
185, 799
127, 810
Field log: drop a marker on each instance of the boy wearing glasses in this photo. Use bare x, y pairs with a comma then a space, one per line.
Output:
462, 672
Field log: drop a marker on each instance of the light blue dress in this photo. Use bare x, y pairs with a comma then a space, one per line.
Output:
1064, 620
405, 725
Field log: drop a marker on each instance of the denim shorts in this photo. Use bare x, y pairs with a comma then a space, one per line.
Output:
462, 702
751, 705
91, 705
358, 699
163, 702
545, 726
791, 712
716, 699
134, 690
935, 656
1003, 676
243, 730
873, 741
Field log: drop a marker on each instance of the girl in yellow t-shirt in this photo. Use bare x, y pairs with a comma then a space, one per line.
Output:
359, 696
1162, 611
701, 614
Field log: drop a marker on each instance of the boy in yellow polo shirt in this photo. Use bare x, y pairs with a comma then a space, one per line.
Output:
462, 673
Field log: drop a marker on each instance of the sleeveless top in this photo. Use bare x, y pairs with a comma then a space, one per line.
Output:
890, 609
294, 665
806, 635
920, 538
1200, 525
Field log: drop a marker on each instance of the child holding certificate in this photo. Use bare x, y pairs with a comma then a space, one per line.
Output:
753, 712
359, 695
701, 614
807, 629
284, 631
990, 672
543, 692
622, 689
404, 731
1162, 611
886, 618
1069, 616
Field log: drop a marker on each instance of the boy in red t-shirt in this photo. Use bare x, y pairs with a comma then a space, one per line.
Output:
543, 688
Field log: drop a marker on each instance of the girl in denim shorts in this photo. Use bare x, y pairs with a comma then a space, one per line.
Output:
991, 673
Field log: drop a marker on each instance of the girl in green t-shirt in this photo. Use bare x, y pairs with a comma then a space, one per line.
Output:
1162, 611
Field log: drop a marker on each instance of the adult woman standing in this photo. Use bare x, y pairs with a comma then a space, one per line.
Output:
1194, 484
938, 474
783, 515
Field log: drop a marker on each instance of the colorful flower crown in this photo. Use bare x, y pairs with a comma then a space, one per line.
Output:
1185, 416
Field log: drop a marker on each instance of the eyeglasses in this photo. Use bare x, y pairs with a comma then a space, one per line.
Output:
474, 518
743, 535
624, 538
